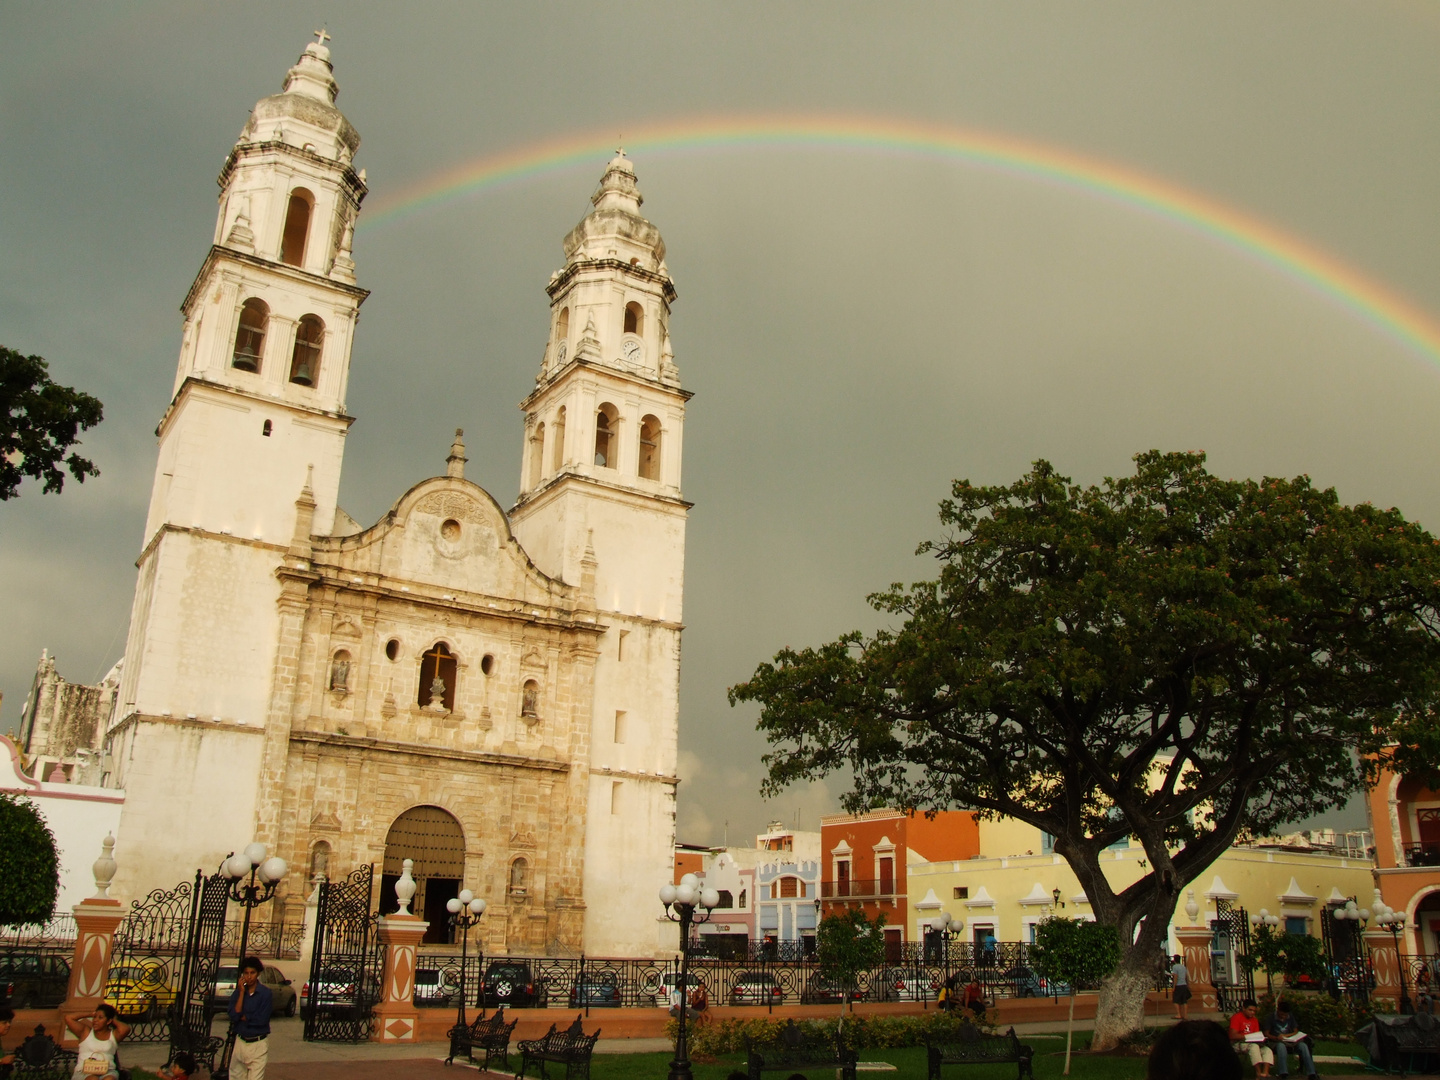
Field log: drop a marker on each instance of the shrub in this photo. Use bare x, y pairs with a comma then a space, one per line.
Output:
29, 865
1319, 1014
862, 1032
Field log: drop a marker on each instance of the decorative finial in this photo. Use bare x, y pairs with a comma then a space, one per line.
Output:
104, 868
321, 37
405, 887
455, 463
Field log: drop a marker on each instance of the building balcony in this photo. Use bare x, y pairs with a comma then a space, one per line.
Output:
856, 889
1422, 854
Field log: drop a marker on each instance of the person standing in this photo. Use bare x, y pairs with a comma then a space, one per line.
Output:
1181, 993
249, 1010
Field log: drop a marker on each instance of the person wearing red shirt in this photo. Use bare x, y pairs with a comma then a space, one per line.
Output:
1245, 1023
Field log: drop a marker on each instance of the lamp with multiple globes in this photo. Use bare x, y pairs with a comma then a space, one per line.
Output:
947, 926
253, 875
1387, 918
681, 903
465, 910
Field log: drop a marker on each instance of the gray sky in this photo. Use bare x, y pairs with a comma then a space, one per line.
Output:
859, 327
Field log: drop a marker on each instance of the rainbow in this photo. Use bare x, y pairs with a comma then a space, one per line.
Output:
1380, 306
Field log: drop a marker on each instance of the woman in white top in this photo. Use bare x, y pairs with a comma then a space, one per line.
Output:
99, 1037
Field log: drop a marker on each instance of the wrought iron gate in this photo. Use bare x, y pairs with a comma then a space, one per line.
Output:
1347, 960
347, 963
190, 1018
1231, 971
147, 963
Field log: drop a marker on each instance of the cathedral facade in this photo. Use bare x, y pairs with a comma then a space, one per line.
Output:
493, 695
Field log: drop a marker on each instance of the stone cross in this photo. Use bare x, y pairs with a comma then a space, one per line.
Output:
321, 37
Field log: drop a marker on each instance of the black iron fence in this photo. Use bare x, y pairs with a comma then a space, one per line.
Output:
1422, 854
35, 962
276, 940
765, 978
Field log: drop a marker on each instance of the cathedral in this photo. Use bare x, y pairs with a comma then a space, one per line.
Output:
491, 693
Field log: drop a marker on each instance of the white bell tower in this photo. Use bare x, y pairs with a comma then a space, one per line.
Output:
600, 493
257, 415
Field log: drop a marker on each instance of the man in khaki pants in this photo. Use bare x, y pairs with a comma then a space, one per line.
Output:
250, 1007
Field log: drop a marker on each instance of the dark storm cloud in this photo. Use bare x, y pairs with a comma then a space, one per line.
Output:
859, 330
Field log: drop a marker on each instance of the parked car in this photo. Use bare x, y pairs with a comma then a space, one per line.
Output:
33, 980
140, 992
905, 984
283, 996
822, 991
437, 987
510, 983
1027, 982
756, 988
341, 986
600, 990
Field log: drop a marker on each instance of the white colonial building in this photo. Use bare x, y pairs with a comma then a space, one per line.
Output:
492, 695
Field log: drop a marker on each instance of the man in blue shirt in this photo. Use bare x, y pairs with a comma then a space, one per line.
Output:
249, 1010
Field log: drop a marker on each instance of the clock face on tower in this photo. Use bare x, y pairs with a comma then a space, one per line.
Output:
632, 350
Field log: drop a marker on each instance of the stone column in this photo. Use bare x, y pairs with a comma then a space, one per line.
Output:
1385, 960
96, 920
396, 1017
1195, 948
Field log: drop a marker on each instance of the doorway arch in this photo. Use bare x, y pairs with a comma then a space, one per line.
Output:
432, 838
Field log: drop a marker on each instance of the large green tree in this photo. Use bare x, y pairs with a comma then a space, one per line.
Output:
29, 864
1169, 656
39, 421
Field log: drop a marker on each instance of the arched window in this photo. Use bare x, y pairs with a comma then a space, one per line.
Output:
537, 454
305, 361
297, 227
650, 448
266, 428
530, 699
634, 318
340, 670
606, 422
562, 335
558, 457
250, 338
519, 877
437, 678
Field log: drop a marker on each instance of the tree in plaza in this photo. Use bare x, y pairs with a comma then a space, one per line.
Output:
847, 943
1168, 656
1075, 951
1295, 956
39, 421
29, 864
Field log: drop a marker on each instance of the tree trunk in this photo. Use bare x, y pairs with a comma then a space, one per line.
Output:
1070, 1031
1121, 1008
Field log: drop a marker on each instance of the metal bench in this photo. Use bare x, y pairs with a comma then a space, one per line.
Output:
973, 1047
492, 1036
571, 1048
40, 1057
194, 1040
795, 1049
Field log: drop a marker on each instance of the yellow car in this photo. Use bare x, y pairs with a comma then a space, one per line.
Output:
141, 991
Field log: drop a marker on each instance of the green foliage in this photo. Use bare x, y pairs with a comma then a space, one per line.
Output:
862, 1032
39, 421
29, 864
1293, 956
847, 943
1075, 951
1169, 655
1318, 1014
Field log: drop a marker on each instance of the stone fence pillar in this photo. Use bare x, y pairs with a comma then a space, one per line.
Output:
1195, 948
96, 920
396, 1017
1385, 961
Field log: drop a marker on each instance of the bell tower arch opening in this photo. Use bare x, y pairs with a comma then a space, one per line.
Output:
432, 838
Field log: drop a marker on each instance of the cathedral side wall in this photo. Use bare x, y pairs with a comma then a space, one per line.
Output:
196, 784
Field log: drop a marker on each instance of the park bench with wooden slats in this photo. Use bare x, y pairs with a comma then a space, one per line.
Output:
492, 1036
571, 1048
973, 1047
795, 1049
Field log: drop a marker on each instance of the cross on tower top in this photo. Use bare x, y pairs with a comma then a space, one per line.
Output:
321, 37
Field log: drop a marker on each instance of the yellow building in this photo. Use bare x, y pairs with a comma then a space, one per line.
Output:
1017, 880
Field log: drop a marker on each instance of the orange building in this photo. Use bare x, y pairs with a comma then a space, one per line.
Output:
865, 857
1405, 819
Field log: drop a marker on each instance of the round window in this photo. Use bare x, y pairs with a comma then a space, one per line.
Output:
450, 530
487, 663
392, 649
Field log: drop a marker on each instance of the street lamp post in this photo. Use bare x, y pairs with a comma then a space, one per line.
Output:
1389, 919
465, 911
253, 877
680, 903
1264, 918
1349, 912
947, 925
